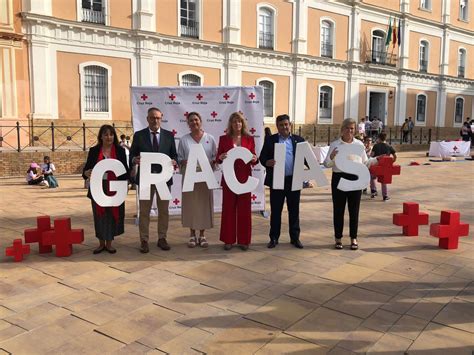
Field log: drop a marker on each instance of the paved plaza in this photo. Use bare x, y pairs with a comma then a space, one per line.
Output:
395, 295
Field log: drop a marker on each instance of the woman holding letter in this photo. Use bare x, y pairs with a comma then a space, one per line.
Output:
108, 221
236, 224
197, 206
340, 198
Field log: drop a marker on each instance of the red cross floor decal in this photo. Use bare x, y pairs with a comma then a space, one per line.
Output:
410, 219
17, 250
449, 229
213, 114
63, 237
226, 96
199, 96
144, 97
172, 97
385, 169
252, 96
35, 235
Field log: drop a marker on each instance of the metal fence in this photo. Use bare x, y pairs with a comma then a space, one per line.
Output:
53, 137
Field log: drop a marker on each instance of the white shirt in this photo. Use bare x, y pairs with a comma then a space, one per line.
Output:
44, 168
157, 136
362, 127
207, 141
329, 163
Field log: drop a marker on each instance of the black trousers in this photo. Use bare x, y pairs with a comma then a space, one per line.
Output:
277, 200
339, 199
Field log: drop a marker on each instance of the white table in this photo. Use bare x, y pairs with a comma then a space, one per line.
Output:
321, 153
448, 149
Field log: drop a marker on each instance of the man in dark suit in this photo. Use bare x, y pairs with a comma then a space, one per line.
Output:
153, 139
277, 197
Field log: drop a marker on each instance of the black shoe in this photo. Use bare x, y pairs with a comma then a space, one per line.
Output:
99, 250
272, 243
144, 247
297, 244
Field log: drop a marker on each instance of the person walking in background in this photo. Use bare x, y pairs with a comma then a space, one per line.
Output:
381, 148
236, 223
361, 128
411, 126
466, 131
277, 197
268, 132
197, 206
405, 130
48, 169
108, 221
368, 152
159, 140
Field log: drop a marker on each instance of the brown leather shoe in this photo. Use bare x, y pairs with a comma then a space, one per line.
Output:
163, 244
144, 247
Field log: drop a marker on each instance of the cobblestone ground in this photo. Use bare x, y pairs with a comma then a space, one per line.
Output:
395, 295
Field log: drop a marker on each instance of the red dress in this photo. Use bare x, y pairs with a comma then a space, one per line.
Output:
236, 223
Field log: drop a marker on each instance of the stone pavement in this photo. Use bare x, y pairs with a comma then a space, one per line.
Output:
395, 295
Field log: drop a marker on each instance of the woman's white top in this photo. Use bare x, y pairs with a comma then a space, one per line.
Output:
44, 168
329, 163
207, 141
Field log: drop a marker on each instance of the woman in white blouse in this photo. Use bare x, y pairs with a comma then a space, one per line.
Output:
340, 198
197, 207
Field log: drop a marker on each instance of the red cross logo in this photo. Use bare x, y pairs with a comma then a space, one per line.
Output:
214, 114
410, 219
252, 96
385, 169
186, 114
17, 250
172, 97
455, 148
253, 130
199, 97
144, 97
253, 197
174, 132
63, 237
35, 235
226, 96
176, 201
449, 229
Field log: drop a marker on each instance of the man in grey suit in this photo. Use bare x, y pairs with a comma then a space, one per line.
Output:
153, 139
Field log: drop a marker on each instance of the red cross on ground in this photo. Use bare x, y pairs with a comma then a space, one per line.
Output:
144, 97
63, 237
253, 197
252, 96
35, 235
449, 229
410, 219
226, 96
176, 201
199, 97
17, 250
213, 114
172, 97
252, 130
385, 169
174, 132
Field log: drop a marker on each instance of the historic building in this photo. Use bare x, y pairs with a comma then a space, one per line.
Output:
319, 61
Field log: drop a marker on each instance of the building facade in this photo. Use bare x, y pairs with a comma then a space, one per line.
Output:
319, 61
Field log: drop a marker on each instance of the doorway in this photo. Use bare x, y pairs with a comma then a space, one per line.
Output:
377, 101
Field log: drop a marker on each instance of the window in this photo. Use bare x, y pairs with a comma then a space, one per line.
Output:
421, 108
461, 62
459, 112
189, 16
325, 103
265, 28
327, 35
425, 4
267, 97
93, 11
463, 9
424, 47
378, 47
190, 80
95, 90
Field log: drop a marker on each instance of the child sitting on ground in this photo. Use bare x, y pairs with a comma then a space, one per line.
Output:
379, 149
48, 168
33, 176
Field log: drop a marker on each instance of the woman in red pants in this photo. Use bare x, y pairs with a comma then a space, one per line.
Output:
236, 224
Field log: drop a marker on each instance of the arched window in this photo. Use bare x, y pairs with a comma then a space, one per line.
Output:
95, 79
459, 111
327, 39
463, 10
424, 54
268, 92
265, 28
190, 80
189, 11
378, 47
421, 108
325, 103
461, 62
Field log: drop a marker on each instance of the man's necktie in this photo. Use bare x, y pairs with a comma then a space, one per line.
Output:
155, 142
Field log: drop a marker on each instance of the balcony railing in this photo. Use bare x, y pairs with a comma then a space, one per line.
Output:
423, 66
191, 29
265, 40
461, 72
93, 16
382, 58
326, 50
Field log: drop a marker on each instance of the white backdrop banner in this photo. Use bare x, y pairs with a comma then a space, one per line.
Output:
215, 105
